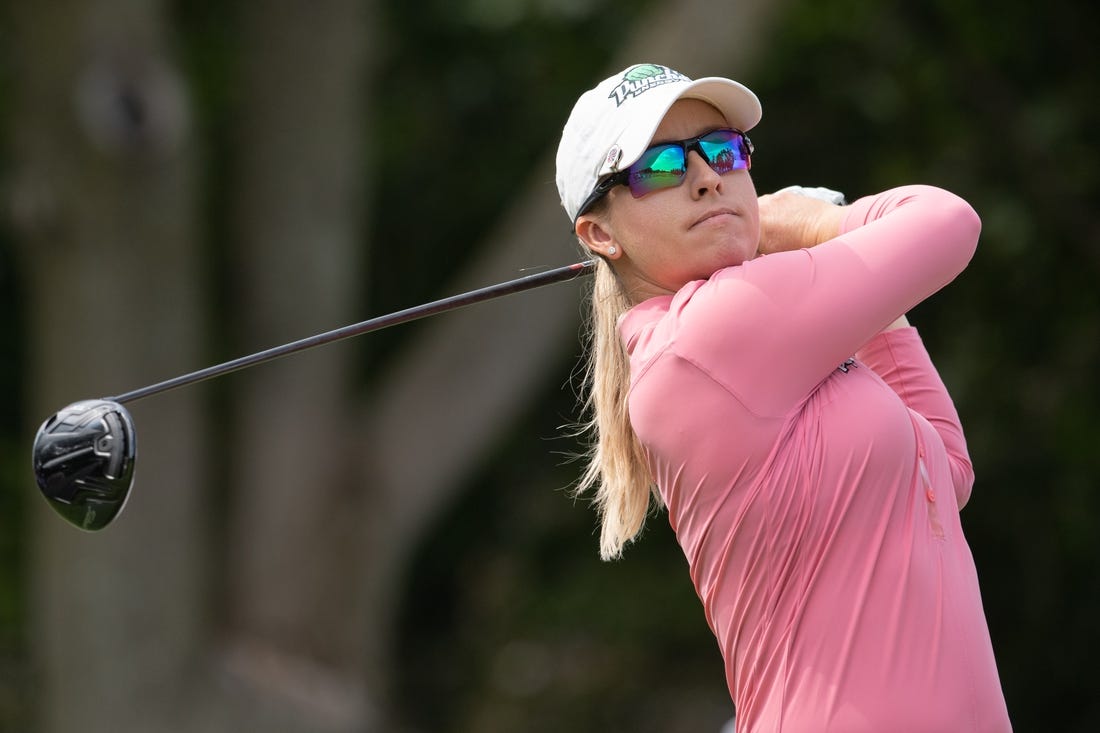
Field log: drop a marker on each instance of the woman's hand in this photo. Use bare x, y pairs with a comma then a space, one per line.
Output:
792, 221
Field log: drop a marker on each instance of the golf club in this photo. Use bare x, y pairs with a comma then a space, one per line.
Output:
84, 455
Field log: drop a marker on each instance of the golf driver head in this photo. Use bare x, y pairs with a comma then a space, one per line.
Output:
84, 462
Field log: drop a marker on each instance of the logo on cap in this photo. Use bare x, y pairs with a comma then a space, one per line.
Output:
642, 78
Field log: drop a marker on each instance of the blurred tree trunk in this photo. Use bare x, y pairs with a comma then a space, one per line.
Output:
298, 526
103, 201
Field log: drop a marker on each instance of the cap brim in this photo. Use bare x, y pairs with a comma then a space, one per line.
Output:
734, 101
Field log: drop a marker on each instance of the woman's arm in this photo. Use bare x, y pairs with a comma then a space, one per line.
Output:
774, 327
791, 221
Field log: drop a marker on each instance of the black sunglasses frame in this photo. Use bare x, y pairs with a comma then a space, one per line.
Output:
622, 177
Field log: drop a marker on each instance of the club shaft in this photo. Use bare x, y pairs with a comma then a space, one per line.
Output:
528, 282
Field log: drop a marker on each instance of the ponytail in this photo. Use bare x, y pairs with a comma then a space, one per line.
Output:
617, 468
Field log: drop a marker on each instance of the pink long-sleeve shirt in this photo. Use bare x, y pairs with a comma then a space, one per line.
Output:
816, 498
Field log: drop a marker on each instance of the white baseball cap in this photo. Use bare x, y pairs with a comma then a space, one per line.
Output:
612, 124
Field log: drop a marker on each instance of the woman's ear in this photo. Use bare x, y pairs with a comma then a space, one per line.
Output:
597, 237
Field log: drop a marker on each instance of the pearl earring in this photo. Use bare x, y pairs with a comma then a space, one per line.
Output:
611, 250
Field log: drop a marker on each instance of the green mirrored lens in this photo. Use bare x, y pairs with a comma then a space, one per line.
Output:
662, 166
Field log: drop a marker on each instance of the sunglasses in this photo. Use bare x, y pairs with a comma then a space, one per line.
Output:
665, 165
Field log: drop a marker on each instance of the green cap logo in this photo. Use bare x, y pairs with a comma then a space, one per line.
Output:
644, 71
641, 78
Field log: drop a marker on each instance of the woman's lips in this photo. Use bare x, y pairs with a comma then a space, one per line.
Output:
712, 214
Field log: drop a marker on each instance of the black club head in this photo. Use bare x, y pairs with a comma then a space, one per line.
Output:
84, 462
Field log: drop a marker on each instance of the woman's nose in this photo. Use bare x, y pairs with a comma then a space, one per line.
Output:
702, 177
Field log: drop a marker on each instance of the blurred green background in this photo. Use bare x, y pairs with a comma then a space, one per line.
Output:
194, 167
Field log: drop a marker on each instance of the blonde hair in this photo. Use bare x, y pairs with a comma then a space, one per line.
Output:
617, 468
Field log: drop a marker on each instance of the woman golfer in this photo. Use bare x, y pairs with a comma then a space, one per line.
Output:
752, 369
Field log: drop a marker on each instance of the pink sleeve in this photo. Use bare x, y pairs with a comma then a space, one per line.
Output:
777, 325
899, 357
